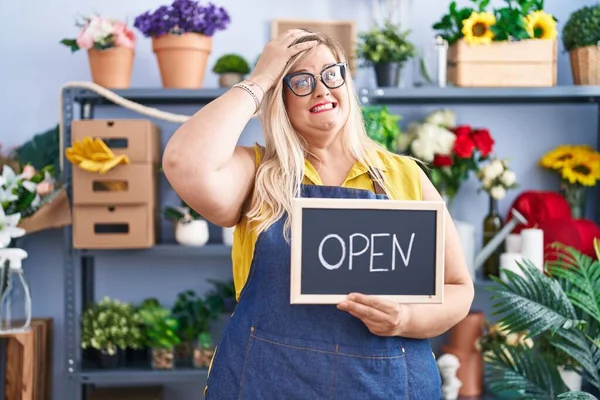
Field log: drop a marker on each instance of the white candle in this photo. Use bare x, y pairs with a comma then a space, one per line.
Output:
466, 234
513, 243
532, 246
508, 261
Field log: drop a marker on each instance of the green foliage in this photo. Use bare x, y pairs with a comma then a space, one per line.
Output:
559, 310
233, 63
160, 327
386, 44
582, 28
181, 213
111, 325
41, 151
194, 315
221, 296
450, 24
382, 126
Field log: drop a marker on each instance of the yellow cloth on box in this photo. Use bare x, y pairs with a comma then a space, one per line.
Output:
401, 175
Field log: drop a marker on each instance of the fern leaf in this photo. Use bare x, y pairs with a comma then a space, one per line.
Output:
583, 274
522, 372
534, 303
576, 396
576, 345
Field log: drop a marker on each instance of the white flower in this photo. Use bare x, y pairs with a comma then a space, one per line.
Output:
9, 178
443, 117
8, 228
508, 178
100, 28
493, 170
444, 142
498, 192
424, 146
404, 141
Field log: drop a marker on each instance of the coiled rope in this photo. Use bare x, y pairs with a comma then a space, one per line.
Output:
116, 99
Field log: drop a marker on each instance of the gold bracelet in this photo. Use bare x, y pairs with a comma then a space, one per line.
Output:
242, 85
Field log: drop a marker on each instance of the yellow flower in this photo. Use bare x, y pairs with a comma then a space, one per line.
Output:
476, 28
581, 170
560, 156
541, 25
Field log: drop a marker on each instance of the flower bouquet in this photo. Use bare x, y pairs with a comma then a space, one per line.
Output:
451, 151
182, 39
578, 167
110, 45
496, 178
486, 44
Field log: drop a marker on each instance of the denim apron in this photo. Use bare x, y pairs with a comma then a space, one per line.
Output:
273, 350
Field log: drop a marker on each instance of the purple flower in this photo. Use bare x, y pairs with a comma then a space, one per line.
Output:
183, 16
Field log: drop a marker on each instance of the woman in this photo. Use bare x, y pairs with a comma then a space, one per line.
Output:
316, 146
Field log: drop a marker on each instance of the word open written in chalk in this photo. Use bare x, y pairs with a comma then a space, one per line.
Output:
358, 244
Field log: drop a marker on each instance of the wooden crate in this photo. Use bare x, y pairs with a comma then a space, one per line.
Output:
527, 63
344, 32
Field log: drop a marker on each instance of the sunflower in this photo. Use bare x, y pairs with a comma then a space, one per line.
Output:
540, 25
476, 28
581, 170
560, 156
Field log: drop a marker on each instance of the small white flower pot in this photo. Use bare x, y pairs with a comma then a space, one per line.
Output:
571, 378
228, 236
192, 233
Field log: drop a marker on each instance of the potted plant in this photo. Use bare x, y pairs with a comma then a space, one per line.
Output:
190, 228
109, 327
231, 68
487, 45
387, 49
110, 45
579, 170
161, 330
560, 309
581, 38
382, 126
182, 39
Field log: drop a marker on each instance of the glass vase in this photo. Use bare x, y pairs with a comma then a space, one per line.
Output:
576, 197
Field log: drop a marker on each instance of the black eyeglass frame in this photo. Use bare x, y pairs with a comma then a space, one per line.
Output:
343, 67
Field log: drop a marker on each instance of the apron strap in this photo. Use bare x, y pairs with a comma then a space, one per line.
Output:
376, 185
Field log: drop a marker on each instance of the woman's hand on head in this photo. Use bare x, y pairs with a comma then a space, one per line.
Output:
382, 317
275, 56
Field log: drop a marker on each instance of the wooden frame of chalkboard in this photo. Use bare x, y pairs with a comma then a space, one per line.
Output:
423, 283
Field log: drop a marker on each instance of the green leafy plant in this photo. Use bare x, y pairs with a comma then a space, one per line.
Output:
449, 27
559, 309
382, 126
194, 315
582, 28
160, 327
111, 325
231, 63
387, 44
222, 297
182, 213
41, 151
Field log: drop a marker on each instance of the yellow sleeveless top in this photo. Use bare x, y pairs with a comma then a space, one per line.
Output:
400, 173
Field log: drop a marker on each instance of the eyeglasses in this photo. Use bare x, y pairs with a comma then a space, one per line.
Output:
304, 83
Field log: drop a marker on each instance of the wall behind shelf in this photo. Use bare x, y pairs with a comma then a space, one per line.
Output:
29, 106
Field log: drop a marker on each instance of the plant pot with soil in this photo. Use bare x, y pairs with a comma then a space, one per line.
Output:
109, 327
111, 49
190, 228
182, 40
194, 315
161, 332
386, 49
581, 38
231, 68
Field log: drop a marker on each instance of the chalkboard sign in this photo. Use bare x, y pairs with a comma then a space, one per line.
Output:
388, 248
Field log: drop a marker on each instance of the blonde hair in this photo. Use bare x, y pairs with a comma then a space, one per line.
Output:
281, 172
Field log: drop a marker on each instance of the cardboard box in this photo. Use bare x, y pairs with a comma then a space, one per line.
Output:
128, 393
121, 226
124, 184
139, 139
526, 63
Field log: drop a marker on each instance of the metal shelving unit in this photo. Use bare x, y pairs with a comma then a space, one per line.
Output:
79, 264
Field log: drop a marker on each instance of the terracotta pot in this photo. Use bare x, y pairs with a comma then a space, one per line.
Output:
112, 67
464, 334
182, 59
585, 65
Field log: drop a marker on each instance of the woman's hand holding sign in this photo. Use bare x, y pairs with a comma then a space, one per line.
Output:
382, 317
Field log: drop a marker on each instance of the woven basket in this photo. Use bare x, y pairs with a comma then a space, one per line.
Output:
585, 65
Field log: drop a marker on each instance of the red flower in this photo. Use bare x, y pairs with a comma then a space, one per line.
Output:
462, 130
442, 161
484, 142
464, 146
